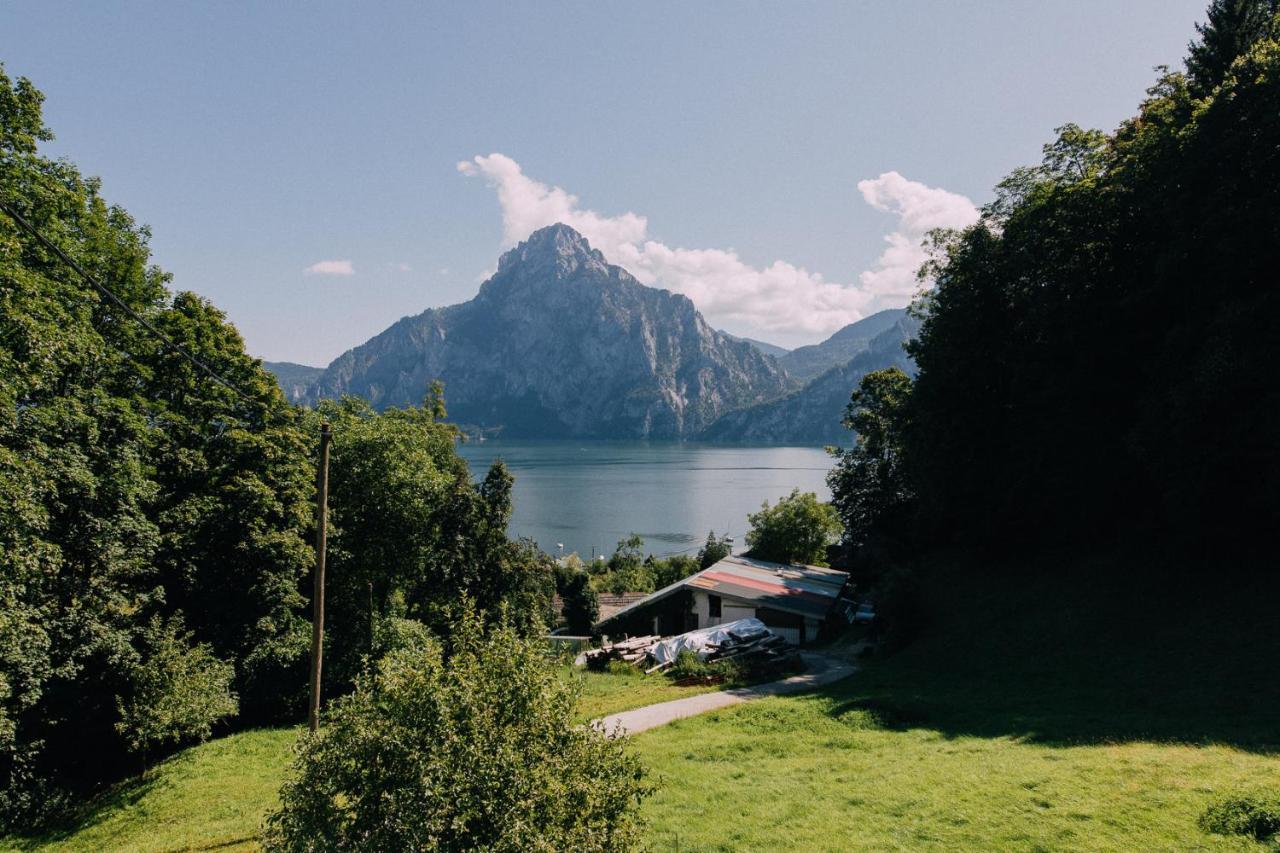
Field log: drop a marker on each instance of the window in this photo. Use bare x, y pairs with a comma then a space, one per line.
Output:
713, 606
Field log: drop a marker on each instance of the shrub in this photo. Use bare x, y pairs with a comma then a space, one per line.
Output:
469, 746
737, 669
1254, 815
179, 690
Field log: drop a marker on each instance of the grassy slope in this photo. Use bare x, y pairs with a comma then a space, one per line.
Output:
1073, 712
217, 794
211, 796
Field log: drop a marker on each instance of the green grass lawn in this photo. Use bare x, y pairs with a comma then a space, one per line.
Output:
1088, 710
605, 693
216, 795
1094, 709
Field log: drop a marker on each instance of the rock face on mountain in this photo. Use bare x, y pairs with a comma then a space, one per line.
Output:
294, 379
560, 343
806, 363
812, 415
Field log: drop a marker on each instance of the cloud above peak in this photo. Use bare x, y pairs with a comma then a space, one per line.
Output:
330, 268
780, 300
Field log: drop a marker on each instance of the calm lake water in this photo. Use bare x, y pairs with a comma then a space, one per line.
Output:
589, 494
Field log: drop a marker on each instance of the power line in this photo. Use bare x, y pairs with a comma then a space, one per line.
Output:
146, 324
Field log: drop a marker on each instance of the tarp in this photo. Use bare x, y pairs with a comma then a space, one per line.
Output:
700, 641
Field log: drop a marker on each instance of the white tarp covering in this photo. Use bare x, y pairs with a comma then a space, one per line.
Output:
698, 641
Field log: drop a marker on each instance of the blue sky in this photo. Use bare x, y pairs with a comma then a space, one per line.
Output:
779, 160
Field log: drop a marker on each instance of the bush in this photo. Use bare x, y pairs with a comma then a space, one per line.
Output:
739, 669
179, 690
1254, 815
470, 746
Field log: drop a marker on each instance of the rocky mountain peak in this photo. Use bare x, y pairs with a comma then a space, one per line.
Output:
556, 250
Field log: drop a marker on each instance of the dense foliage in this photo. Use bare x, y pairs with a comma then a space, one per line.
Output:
628, 570
870, 488
467, 745
155, 524
1097, 359
133, 492
797, 529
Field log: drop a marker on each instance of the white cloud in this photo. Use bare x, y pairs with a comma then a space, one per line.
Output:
403, 267
919, 209
780, 300
330, 268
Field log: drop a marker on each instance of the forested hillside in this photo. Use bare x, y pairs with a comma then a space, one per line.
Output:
1097, 360
157, 504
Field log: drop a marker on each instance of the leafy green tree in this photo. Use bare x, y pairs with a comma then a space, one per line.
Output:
471, 744
410, 529
675, 568
797, 529
870, 488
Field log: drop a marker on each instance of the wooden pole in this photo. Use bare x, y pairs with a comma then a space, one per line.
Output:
317, 596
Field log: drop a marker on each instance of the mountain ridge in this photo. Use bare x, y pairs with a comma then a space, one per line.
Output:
812, 415
561, 343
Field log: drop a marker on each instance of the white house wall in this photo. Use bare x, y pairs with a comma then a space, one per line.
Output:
733, 609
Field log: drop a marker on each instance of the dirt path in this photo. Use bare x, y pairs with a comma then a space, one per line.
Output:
821, 670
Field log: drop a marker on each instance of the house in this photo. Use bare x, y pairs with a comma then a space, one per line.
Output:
793, 600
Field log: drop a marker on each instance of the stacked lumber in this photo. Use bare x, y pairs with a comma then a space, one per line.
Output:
633, 650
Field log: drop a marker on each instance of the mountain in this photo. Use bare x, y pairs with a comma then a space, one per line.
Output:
806, 363
294, 379
561, 343
764, 346
812, 415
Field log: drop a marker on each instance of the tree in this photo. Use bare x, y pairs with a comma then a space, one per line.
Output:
677, 567
410, 528
715, 550
581, 604
869, 485
460, 745
1230, 29
797, 529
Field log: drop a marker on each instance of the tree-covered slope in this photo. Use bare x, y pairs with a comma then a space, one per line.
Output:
1098, 355
294, 379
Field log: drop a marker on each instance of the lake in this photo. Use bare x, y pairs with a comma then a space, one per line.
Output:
587, 495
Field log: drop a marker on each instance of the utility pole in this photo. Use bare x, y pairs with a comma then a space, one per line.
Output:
317, 597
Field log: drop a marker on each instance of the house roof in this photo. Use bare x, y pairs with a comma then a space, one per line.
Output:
805, 590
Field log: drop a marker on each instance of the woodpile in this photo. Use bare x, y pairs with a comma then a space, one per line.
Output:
634, 650
638, 651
